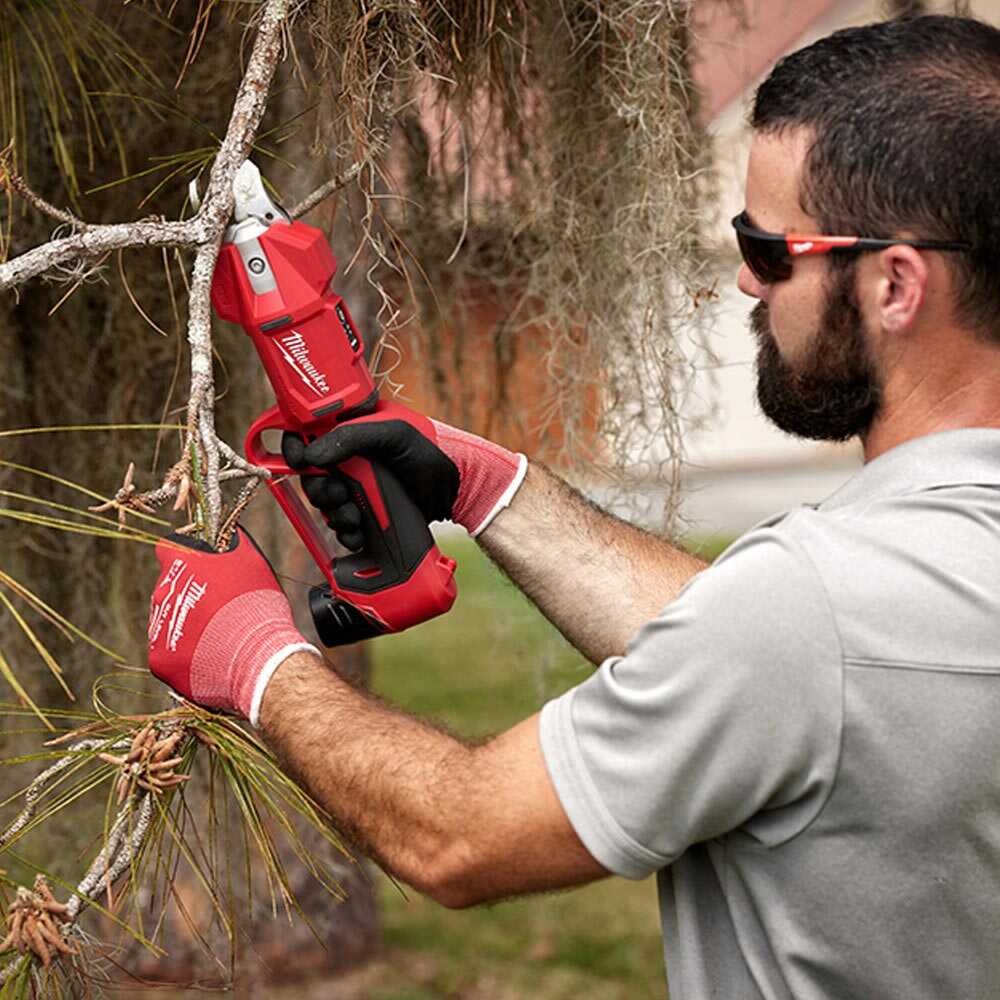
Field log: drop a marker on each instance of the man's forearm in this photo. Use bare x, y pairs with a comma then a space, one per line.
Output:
595, 577
461, 823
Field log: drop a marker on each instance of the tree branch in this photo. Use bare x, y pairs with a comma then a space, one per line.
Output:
208, 225
248, 109
216, 210
94, 242
12, 179
324, 191
379, 144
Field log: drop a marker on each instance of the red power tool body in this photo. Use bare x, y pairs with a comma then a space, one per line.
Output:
273, 278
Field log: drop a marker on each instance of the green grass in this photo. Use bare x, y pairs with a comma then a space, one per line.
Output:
485, 665
492, 661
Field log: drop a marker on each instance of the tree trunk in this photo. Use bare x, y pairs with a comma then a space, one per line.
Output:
96, 361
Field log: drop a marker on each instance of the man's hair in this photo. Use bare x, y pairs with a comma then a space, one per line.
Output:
906, 123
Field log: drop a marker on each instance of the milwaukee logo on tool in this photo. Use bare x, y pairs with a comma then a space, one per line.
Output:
294, 350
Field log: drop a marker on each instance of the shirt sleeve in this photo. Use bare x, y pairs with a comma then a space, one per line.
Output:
726, 707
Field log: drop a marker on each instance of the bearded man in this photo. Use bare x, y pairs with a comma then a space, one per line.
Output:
802, 740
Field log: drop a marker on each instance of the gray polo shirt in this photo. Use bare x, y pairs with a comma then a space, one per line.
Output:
805, 745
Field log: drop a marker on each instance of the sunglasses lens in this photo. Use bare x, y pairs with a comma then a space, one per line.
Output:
767, 259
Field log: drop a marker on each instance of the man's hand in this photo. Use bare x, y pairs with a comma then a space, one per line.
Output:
219, 624
450, 475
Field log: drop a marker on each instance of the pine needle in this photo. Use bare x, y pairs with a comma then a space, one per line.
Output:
8, 675
73, 428
53, 616
47, 658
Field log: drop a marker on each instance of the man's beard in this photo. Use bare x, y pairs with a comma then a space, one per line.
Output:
833, 393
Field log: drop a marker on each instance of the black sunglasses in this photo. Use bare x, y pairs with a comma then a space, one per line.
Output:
769, 255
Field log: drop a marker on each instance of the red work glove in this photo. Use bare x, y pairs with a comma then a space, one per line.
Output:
450, 474
219, 623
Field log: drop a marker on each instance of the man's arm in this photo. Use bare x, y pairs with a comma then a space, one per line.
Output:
463, 824
595, 577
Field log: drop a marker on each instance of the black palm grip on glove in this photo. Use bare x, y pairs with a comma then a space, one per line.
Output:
387, 558
426, 473
377, 517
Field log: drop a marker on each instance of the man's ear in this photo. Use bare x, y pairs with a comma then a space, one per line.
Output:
902, 287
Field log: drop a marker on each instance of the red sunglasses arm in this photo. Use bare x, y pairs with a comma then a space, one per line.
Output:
802, 246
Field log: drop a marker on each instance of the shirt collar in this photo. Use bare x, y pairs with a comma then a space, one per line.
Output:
970, 455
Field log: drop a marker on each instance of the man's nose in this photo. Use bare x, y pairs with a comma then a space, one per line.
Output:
749, 285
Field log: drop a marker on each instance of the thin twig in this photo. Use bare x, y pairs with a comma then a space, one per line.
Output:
242, 501
324, 191
237, 461
17, 183
37, 786
378, 145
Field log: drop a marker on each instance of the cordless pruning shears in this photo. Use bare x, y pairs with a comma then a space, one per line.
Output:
274, 278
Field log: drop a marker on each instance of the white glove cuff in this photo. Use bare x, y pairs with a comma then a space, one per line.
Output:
505, 498
267, 672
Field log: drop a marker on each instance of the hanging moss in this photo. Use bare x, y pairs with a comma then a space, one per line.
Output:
539, 208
